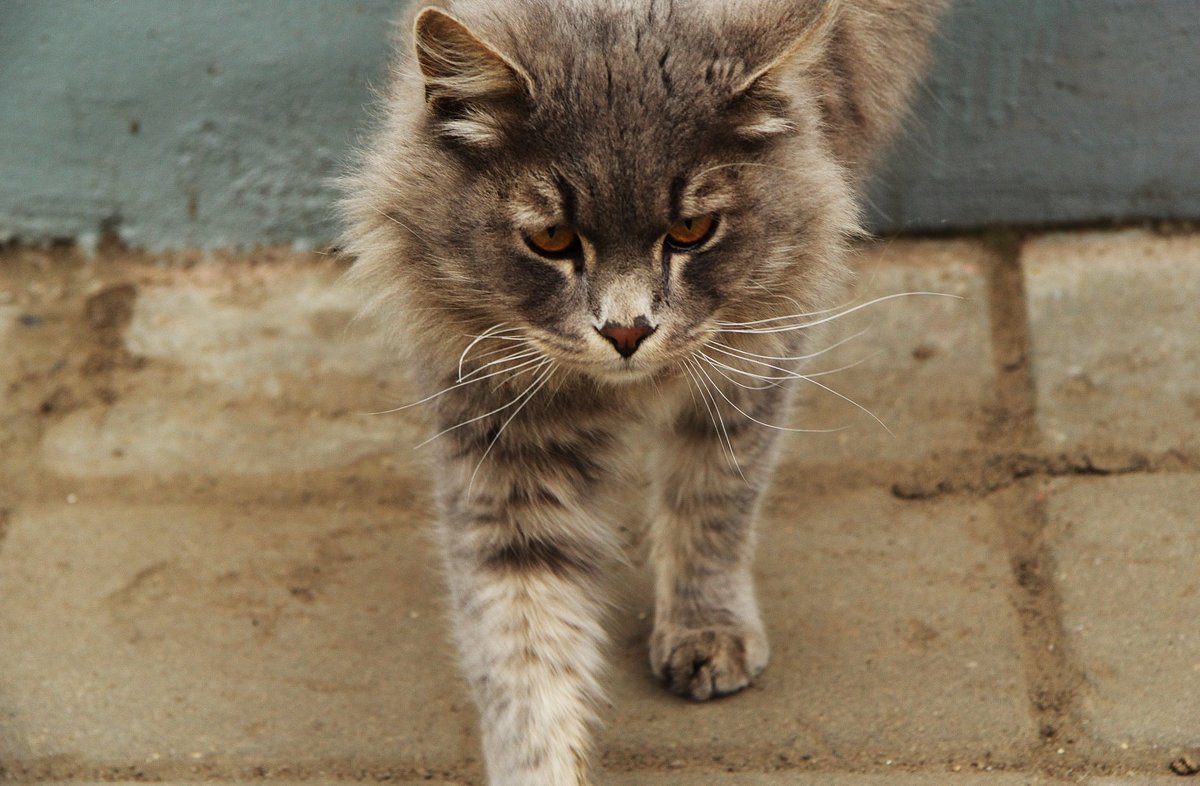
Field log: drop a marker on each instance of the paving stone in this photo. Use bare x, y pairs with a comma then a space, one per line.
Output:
925, 362
1127, 551
260, 372
891, 636
684, 778
289, 635
260, 635
200, 435
8, 319
1116, 337
257, 334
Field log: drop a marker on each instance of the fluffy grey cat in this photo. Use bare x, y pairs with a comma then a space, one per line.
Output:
587, 219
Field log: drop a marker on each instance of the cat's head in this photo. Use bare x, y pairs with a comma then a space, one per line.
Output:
611, 180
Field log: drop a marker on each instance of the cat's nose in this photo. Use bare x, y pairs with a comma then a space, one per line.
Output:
627, 338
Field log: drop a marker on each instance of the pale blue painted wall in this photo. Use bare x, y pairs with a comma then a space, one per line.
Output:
218, 122
242, 109
1054, 111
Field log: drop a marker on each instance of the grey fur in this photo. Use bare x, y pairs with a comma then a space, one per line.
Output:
617, 118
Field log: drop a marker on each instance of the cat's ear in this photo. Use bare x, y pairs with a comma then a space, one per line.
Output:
762, 97
469, 85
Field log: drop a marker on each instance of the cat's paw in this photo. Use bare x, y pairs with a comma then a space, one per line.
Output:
709, 662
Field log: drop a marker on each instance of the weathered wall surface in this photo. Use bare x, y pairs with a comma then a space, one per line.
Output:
1052, 111
181, 123
219, 122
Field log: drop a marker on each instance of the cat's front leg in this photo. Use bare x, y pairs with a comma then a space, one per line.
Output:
708, 637
524, 560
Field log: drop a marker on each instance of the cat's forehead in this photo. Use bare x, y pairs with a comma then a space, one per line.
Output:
612, 59
605, 199
647, 55
627, 111
628, 103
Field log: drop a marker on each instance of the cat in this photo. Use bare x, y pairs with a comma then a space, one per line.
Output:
584, 219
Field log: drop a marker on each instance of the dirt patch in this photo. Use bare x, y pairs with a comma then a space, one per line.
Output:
108, 312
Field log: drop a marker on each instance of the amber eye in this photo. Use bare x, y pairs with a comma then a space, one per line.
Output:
690, 232
554, 241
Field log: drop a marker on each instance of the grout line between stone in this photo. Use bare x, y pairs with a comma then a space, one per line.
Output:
1053, 679
1014, 421
979, 472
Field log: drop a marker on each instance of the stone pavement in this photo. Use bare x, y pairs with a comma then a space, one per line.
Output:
215, 564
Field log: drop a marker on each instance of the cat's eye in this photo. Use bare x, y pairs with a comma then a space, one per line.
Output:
689, 233
554, 241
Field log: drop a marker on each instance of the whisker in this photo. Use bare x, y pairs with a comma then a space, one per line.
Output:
849, 400
743, 385
786, 316
504, 337
809, 356
493, 353
508, 333
481, 337
714, 415
771, 425
815, 322
740, 163
396, 221
791, 300
818, 384
513, 371
751, 374
795, 375
846, 367
521, 355
528, 394
478, 418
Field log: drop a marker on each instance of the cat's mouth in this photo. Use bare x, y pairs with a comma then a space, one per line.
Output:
629, 370
601, 359
611, 370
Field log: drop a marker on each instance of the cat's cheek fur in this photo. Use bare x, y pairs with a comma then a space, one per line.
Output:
543, 294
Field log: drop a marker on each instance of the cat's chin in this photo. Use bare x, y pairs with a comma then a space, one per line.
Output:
625, 374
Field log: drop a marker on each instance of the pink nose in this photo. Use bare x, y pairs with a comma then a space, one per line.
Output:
627, 338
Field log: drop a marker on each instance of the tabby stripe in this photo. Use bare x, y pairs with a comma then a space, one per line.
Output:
529, 554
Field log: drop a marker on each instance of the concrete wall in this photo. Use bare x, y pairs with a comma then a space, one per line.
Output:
216, 123
181, 122
1052, 111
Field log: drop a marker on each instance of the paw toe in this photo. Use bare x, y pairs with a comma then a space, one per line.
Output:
708, 663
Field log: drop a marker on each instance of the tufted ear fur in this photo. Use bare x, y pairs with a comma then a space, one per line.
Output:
469, 85
761, 101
